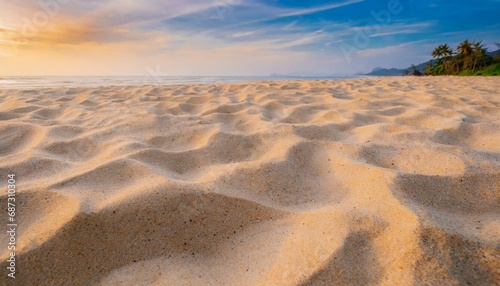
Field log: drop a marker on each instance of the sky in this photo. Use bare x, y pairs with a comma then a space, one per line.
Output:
233, 37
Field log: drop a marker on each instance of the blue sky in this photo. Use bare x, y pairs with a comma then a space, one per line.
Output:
237, 37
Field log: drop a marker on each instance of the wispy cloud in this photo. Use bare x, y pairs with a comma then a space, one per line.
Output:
389, 50
300, 12
404, 28
290, 26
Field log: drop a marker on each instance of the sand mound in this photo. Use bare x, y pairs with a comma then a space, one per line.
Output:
389, 181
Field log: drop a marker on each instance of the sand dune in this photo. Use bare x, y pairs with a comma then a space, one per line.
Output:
372, 181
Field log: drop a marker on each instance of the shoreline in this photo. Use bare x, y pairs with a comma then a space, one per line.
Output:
152, 81
140, 85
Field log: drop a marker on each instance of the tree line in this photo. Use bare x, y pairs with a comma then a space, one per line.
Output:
468, 58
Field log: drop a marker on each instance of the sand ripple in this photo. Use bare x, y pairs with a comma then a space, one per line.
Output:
389, 181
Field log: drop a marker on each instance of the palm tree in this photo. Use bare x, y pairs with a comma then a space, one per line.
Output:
438, 52
479, 54
465, 49
428, 68
443, 53
448, 57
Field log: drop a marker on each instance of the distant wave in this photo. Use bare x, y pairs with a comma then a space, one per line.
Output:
86, 81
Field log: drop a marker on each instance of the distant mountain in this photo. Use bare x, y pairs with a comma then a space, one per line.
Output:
386, 72
300, 75
494, 53
397, 72
378, 71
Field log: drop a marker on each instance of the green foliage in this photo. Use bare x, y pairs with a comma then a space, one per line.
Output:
466, 72
469, 59
437, 70
492, 70
428, 69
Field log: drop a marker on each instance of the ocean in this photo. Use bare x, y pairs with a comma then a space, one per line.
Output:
97, 81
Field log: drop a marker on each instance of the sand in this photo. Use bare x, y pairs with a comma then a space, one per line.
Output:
375, 181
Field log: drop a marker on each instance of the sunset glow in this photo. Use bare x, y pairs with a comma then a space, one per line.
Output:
230, 37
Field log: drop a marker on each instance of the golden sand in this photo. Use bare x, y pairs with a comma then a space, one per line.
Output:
379, 181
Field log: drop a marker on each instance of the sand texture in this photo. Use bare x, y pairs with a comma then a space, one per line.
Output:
375, 181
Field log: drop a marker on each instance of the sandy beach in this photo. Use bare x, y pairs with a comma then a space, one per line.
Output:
372, 181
